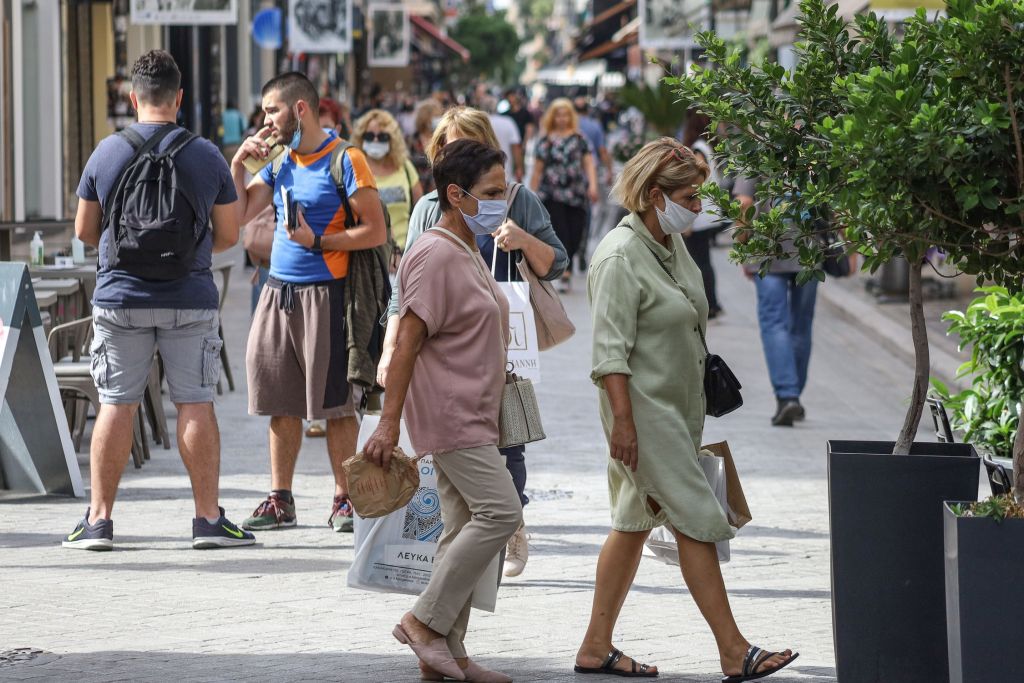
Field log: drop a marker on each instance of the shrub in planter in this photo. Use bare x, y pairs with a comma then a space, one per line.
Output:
988, 412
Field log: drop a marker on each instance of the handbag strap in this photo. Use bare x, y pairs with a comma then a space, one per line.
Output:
510, 196
673, 278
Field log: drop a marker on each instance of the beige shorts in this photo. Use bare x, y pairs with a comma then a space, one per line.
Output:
296, 360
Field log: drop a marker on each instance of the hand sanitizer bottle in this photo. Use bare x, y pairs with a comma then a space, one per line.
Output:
36, 250
77, 251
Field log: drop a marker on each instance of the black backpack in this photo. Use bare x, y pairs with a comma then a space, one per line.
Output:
155, 222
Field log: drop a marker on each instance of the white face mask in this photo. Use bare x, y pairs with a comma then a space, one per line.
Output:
675, 219
376, 150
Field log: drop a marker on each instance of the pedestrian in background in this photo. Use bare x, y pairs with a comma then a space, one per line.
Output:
135, 315
565, 177
593, 130
785, 316
710, 222
649, 314
297, 354
527, 234
377, 133
453, 309
232, 128
428, 115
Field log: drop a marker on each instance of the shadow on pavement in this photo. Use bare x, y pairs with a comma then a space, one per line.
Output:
347, 667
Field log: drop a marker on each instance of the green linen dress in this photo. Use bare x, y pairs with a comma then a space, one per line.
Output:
646, 327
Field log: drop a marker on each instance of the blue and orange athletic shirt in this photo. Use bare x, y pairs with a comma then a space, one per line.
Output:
308, 176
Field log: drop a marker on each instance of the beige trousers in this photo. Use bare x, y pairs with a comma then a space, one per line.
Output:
480, 510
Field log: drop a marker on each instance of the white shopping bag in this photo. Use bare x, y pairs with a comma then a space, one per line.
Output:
662, 541
395, 553
523, 350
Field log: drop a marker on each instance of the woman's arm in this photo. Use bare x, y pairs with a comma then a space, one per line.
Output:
528, 211
538, 172
623, 444
390, 341
510, 237
411, 333
591, 170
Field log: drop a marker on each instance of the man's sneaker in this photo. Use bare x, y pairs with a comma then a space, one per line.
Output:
788, 409
517, 553
96, 536
273, 513
220, 534
800, 413
341, 514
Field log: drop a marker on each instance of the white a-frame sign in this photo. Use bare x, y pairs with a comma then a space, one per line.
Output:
36, 455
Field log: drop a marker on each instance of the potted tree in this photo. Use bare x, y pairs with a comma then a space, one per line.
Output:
984, 542
911, 142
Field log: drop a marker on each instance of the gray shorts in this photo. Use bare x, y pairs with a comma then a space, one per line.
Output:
125, 339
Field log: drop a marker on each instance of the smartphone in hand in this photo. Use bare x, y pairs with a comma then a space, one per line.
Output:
291, 220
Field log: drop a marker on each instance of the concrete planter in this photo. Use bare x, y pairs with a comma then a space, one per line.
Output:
984, 597
888, 584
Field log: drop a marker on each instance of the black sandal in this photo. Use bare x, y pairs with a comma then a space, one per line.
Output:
637, 671
755, 658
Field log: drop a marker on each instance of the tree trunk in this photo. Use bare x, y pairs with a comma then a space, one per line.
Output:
919, 332
1018, 462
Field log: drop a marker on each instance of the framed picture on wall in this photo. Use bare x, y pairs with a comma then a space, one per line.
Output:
184, 11
388, 35
671, 24
320, 26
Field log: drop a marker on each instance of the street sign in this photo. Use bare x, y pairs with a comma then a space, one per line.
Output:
36, 454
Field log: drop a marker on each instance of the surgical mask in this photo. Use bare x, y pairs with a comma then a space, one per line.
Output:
675, 219
489, 216
376, 150
297, 137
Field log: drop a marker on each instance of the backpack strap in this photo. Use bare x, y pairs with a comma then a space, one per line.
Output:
133, 138
179, 143
338, 174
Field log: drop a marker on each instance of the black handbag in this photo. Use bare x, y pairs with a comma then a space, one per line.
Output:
721, 388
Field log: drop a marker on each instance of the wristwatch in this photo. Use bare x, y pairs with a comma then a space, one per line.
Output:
316, 243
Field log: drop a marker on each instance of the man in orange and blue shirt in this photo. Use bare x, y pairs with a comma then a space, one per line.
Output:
297, 359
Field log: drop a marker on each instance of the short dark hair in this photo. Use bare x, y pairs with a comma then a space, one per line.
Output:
156, 78
462, 163
293, 86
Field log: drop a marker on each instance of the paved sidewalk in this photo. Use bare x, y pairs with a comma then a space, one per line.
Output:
155, 610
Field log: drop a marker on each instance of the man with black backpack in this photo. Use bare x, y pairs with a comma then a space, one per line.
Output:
146, 200
307, 343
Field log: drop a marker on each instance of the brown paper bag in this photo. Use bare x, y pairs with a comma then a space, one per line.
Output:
739, 512
376, 492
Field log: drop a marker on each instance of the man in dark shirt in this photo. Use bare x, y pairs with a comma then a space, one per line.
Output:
133, 316
525, 121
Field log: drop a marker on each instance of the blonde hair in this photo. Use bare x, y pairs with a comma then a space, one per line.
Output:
547, 122
466, 122
425, 113
664, 163
398, 154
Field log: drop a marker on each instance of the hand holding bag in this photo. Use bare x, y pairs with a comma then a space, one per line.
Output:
553, 324
376, 492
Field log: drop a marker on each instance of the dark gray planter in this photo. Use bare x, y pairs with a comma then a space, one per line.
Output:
888, 579
984, 597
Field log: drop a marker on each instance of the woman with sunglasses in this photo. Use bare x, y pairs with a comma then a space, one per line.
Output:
378, 134
526, 234
649, 311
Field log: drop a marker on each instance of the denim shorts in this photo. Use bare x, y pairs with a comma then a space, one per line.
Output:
125, 339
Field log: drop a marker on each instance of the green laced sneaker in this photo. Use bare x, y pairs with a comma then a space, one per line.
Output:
273, 513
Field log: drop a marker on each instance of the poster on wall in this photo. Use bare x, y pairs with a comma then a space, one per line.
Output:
388, 35
671, 24
320, 26
184, 11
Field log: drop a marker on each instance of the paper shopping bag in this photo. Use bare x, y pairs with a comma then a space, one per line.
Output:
395, 553
737, 510
523, 351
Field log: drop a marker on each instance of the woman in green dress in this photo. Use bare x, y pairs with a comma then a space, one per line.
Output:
649, 310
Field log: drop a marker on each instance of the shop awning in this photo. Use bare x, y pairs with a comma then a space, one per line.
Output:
625, 36
435, 34
581, 74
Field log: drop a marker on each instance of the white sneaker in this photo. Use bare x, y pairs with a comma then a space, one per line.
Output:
517, 553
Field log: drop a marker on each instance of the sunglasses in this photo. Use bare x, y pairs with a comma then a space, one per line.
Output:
379, 137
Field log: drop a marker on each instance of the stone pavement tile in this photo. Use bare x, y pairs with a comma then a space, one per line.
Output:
154, 609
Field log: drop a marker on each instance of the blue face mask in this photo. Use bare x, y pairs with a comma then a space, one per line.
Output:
489, 216
297, 138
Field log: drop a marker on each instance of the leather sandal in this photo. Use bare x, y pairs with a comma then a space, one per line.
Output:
608, 668
754, 659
